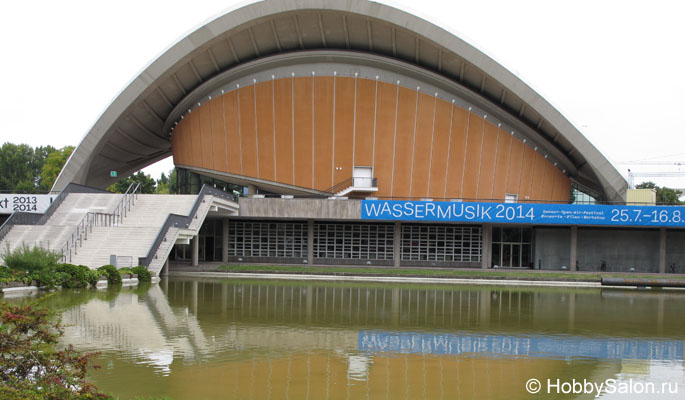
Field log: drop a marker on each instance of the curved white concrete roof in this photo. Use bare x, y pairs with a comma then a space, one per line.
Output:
131, 134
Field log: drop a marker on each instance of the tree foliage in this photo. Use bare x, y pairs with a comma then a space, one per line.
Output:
147, 184
664, 195
53, 165
30, 368
166, 184
21, 167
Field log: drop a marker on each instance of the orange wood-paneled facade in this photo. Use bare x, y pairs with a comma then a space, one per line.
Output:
311, 132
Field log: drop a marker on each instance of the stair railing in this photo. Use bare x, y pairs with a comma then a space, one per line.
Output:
91, 219
331, 191
349, 182
181, 221
23, 218
127, 200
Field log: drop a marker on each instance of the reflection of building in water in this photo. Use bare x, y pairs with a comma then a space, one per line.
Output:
256, 339
558, 347
320, 375
149, 330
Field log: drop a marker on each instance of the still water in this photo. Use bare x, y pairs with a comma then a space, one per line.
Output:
240, 339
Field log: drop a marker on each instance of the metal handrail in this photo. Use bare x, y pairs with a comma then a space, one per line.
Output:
18, 218
183, 221
128, 199
331, 191
21, 218
334, 189
92, 219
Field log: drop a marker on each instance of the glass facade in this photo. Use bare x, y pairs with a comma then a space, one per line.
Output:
351, 241
267, 239
512, 247
360, 243
441, 243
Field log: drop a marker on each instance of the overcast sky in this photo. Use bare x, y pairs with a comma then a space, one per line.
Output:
615, 69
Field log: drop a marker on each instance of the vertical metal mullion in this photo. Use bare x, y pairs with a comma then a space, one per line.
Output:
466, 148
394, 141
430, 161
256, 123
413, 146
240, 128
449, 148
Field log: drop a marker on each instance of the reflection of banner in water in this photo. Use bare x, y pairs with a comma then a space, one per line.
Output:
532, 346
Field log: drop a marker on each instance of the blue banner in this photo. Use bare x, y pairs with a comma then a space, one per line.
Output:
524, 213
547, 346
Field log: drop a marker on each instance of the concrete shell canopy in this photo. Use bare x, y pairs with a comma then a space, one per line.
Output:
134, 131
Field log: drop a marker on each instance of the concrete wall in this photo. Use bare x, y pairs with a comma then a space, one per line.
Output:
552, 248
300, 208
620, 249
675, 251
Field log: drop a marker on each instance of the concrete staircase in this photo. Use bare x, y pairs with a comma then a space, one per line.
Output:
183, 235
132, 238
61, 224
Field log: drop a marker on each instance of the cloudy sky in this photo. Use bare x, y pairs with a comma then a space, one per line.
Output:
615, 69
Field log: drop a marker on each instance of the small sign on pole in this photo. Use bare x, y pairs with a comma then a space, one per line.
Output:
113, 174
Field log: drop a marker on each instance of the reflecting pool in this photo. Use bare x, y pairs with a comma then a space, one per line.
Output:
190, 338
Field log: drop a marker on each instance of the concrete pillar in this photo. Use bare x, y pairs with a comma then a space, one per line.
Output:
571, 312
395, 307
310, 242
224, 241
165, 268
662, 250
660, 315
484, 297
309, 300
193, 297
251, 189
486, 255
195, 252
396, 242
224, 298
574, 249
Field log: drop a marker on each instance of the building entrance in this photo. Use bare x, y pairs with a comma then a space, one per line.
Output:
512, 247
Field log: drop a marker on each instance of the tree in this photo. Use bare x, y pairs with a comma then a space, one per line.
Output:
664, 195
21, 167
29, 366
15, 164
147, 184
173, 187
163, 184
53, 165
167, 185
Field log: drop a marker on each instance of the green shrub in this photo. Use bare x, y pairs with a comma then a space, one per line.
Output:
29, 259
123, 271
77, 276
143, 274
49, 277
6, 275
110, 271
92, 277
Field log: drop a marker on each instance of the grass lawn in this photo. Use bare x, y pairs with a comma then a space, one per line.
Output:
442, 272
